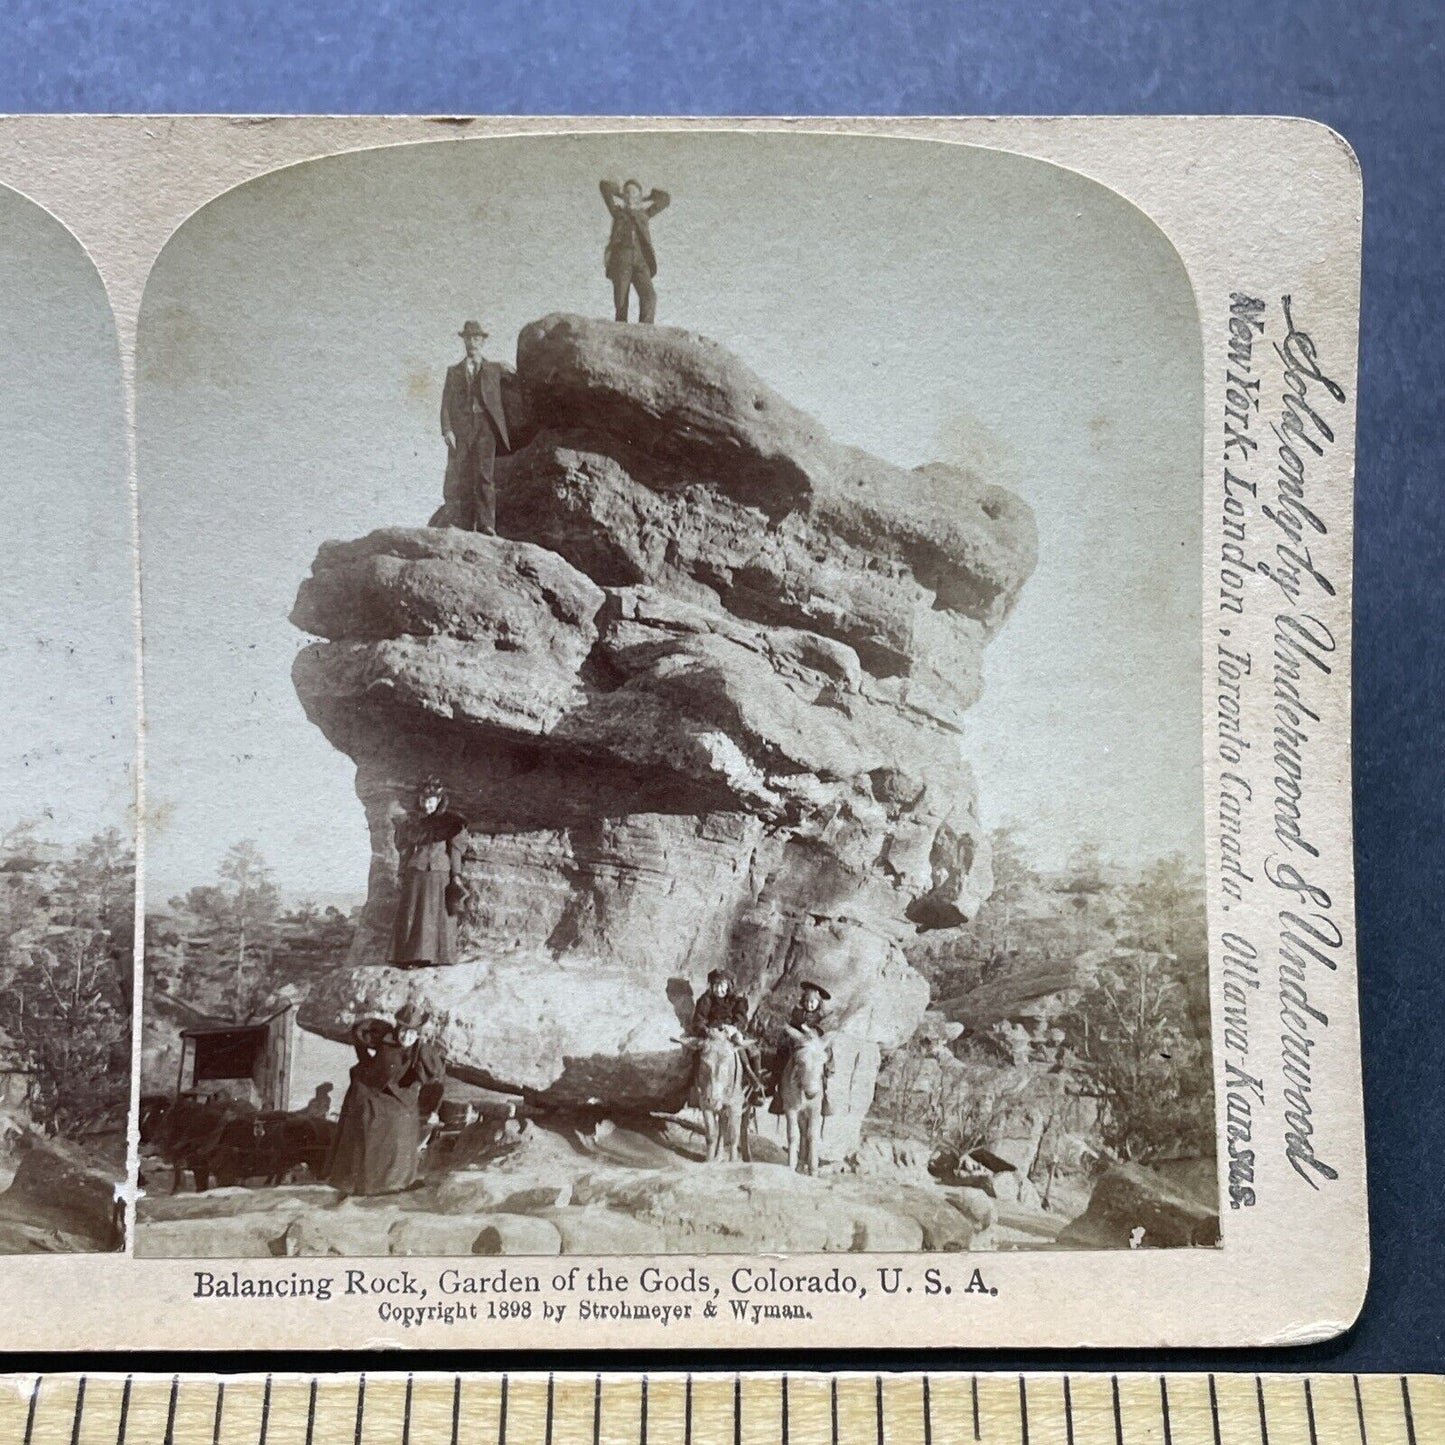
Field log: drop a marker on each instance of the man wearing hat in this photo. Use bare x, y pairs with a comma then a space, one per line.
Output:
474, 427
629, 260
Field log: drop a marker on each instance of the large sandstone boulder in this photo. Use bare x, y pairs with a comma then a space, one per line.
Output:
1025, 987
62, 1198
1135, 1206
700, 703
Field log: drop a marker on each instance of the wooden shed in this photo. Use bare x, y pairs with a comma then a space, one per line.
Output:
272, 1063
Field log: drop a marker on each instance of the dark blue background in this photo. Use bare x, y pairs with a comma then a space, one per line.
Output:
1370, 68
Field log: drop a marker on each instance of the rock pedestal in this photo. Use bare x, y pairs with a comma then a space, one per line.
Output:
700, 702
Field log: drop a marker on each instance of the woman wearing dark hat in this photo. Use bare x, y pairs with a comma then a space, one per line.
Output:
378, 1136
430, 844
808, 1017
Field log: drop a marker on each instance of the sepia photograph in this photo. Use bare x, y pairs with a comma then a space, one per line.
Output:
67, 676
674, 709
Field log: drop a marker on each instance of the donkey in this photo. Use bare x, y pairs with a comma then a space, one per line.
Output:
720, 1090
800, 1090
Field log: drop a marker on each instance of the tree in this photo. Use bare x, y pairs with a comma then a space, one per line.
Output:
1164, 908
304, 915
955, 1104
254, 897
238, 918
1012, 877
66, 935
95, 889
977, 951
1135, 1056
1086, 868
63, 1016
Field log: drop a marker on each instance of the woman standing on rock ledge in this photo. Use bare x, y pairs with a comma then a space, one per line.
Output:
429, 845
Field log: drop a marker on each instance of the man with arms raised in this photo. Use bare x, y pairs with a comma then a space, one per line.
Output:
629, 260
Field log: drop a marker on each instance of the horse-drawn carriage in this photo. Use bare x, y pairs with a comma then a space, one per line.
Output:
249, 1102
224, 1142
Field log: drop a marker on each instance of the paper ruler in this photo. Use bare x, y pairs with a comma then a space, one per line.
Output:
761, 1408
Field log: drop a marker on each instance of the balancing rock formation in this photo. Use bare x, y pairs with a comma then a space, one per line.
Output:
701, 703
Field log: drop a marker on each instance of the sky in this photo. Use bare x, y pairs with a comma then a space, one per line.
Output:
923, 300
67, 646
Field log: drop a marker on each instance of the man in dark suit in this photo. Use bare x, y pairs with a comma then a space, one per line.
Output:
629, 260
474, 427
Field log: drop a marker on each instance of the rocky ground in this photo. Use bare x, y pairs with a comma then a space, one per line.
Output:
614, 1190
59, 1197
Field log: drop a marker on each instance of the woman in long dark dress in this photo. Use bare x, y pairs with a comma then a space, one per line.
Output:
429, 845
378, 1136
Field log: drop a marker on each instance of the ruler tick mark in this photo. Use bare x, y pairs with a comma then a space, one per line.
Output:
171, 1415
783, 1413
1310, 1412
1068, 1411
406, 1415
311, 1410
1214, 1409
1263, 1423
973, 1390
597, 1410
265, 1412
737, 1410
30, 1413
1164, 1410
502, 1414
125, 1414
642, 1416
687, 1412
1118, 1418
360, 1408
551, 1404
1023, 1411
79, 1411
833, 1405
1409, 1413
878, 1407
220, 1410
456, 1411
927, 1415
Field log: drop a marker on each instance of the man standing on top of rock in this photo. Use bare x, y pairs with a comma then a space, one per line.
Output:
474, 427
629, 260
